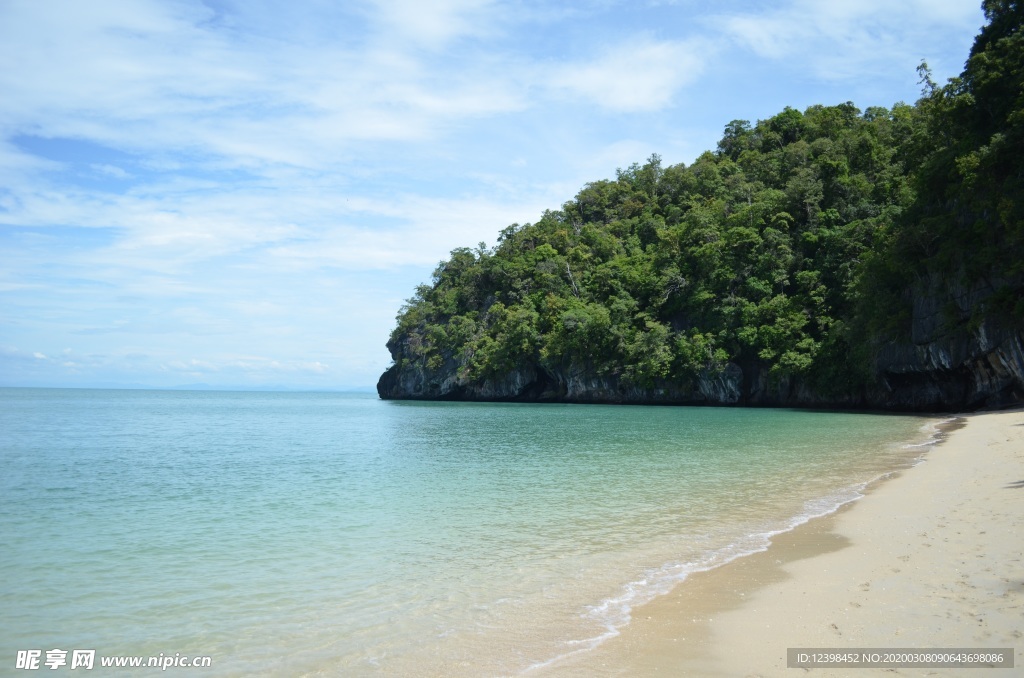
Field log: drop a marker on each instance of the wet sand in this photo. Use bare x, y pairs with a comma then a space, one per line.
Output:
932, 557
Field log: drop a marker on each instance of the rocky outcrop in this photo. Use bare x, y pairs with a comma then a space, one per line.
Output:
949, 363
982, 369
410, 380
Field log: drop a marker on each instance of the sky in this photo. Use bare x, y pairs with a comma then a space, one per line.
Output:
243, 193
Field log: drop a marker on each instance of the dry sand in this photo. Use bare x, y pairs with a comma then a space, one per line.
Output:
933, 557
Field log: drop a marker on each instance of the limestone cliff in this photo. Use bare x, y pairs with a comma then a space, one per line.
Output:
947, 364
970, 370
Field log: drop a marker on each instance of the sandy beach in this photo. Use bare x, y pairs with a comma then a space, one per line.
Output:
930, 558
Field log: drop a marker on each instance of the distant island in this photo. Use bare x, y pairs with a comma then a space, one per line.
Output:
827, 258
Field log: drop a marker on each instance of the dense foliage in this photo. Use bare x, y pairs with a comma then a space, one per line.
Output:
794, 247
968, 159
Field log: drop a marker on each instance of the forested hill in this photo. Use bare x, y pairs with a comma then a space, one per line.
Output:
829, 257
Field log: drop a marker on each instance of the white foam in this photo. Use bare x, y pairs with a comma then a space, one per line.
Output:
934, 431
616, 612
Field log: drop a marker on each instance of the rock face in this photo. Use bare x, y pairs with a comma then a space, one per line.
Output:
948, 364
411, 381
983, 368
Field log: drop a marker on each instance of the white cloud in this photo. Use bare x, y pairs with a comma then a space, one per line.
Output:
158, 76
637, 75
430, 229
435, 23
110, 171
241, 366
850, 39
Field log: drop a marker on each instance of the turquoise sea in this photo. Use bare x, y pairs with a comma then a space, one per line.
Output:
337, 534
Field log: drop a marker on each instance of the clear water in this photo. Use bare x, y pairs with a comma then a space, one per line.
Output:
336, 534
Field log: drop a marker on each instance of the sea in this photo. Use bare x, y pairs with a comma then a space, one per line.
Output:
335, 534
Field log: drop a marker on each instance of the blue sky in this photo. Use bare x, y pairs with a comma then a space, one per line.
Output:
242, 193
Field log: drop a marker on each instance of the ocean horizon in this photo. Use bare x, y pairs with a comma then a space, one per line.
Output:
327, 533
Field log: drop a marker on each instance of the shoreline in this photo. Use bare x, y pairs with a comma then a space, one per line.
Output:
931, 556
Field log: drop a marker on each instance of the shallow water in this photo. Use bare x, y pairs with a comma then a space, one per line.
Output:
336, 534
